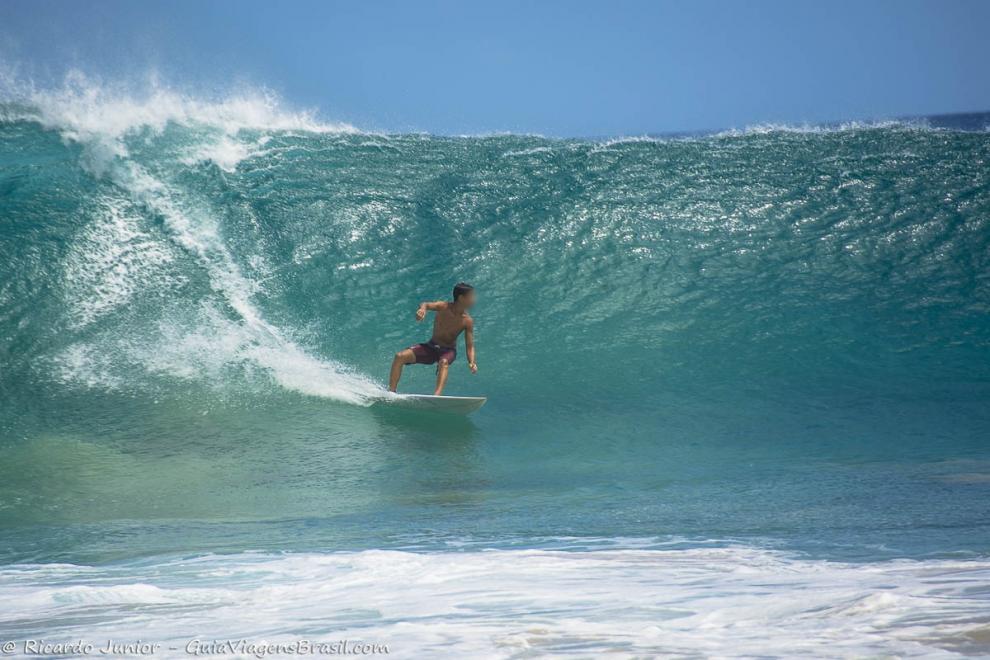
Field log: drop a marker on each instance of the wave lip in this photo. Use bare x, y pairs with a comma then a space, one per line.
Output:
735, 601
84, 107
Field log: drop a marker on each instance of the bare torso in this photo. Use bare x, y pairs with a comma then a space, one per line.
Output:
450, 319
448, 324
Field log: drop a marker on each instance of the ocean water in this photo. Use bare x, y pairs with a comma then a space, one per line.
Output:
739, 384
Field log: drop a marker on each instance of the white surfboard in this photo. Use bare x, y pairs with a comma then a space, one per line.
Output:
461, 405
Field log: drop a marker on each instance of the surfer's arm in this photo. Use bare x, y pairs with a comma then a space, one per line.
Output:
431, 306
469, 344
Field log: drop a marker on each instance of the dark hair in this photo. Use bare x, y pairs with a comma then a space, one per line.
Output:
460, 289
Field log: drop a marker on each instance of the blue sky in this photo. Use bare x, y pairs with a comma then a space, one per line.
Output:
619, 67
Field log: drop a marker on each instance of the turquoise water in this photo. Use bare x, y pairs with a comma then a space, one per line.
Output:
762, 353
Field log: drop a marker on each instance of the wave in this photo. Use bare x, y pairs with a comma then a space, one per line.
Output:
114, 257
164, 239
735, 601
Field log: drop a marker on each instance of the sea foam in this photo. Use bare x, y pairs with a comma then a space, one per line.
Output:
114, 257
735, 601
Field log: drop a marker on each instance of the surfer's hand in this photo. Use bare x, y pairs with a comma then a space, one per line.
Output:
473, 366
420, 313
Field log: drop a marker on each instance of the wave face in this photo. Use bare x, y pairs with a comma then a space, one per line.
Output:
792, 323
149, 244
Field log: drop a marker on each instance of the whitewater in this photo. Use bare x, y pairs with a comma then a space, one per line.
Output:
738, 383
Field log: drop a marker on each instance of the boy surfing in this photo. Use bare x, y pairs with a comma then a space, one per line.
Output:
450, 319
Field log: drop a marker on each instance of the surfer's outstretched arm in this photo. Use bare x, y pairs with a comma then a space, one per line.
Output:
469, 344
429, 306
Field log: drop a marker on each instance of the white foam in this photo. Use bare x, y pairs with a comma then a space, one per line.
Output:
770, 128
208, 346
225, 152
109, 261
86, 363
98, 115
90, 107
527, 152
729, 602
205, 351
114, 258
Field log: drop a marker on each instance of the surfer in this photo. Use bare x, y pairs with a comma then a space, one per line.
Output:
449, 320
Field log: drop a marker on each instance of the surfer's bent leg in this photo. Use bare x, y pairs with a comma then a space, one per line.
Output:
401, 358
442, 367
